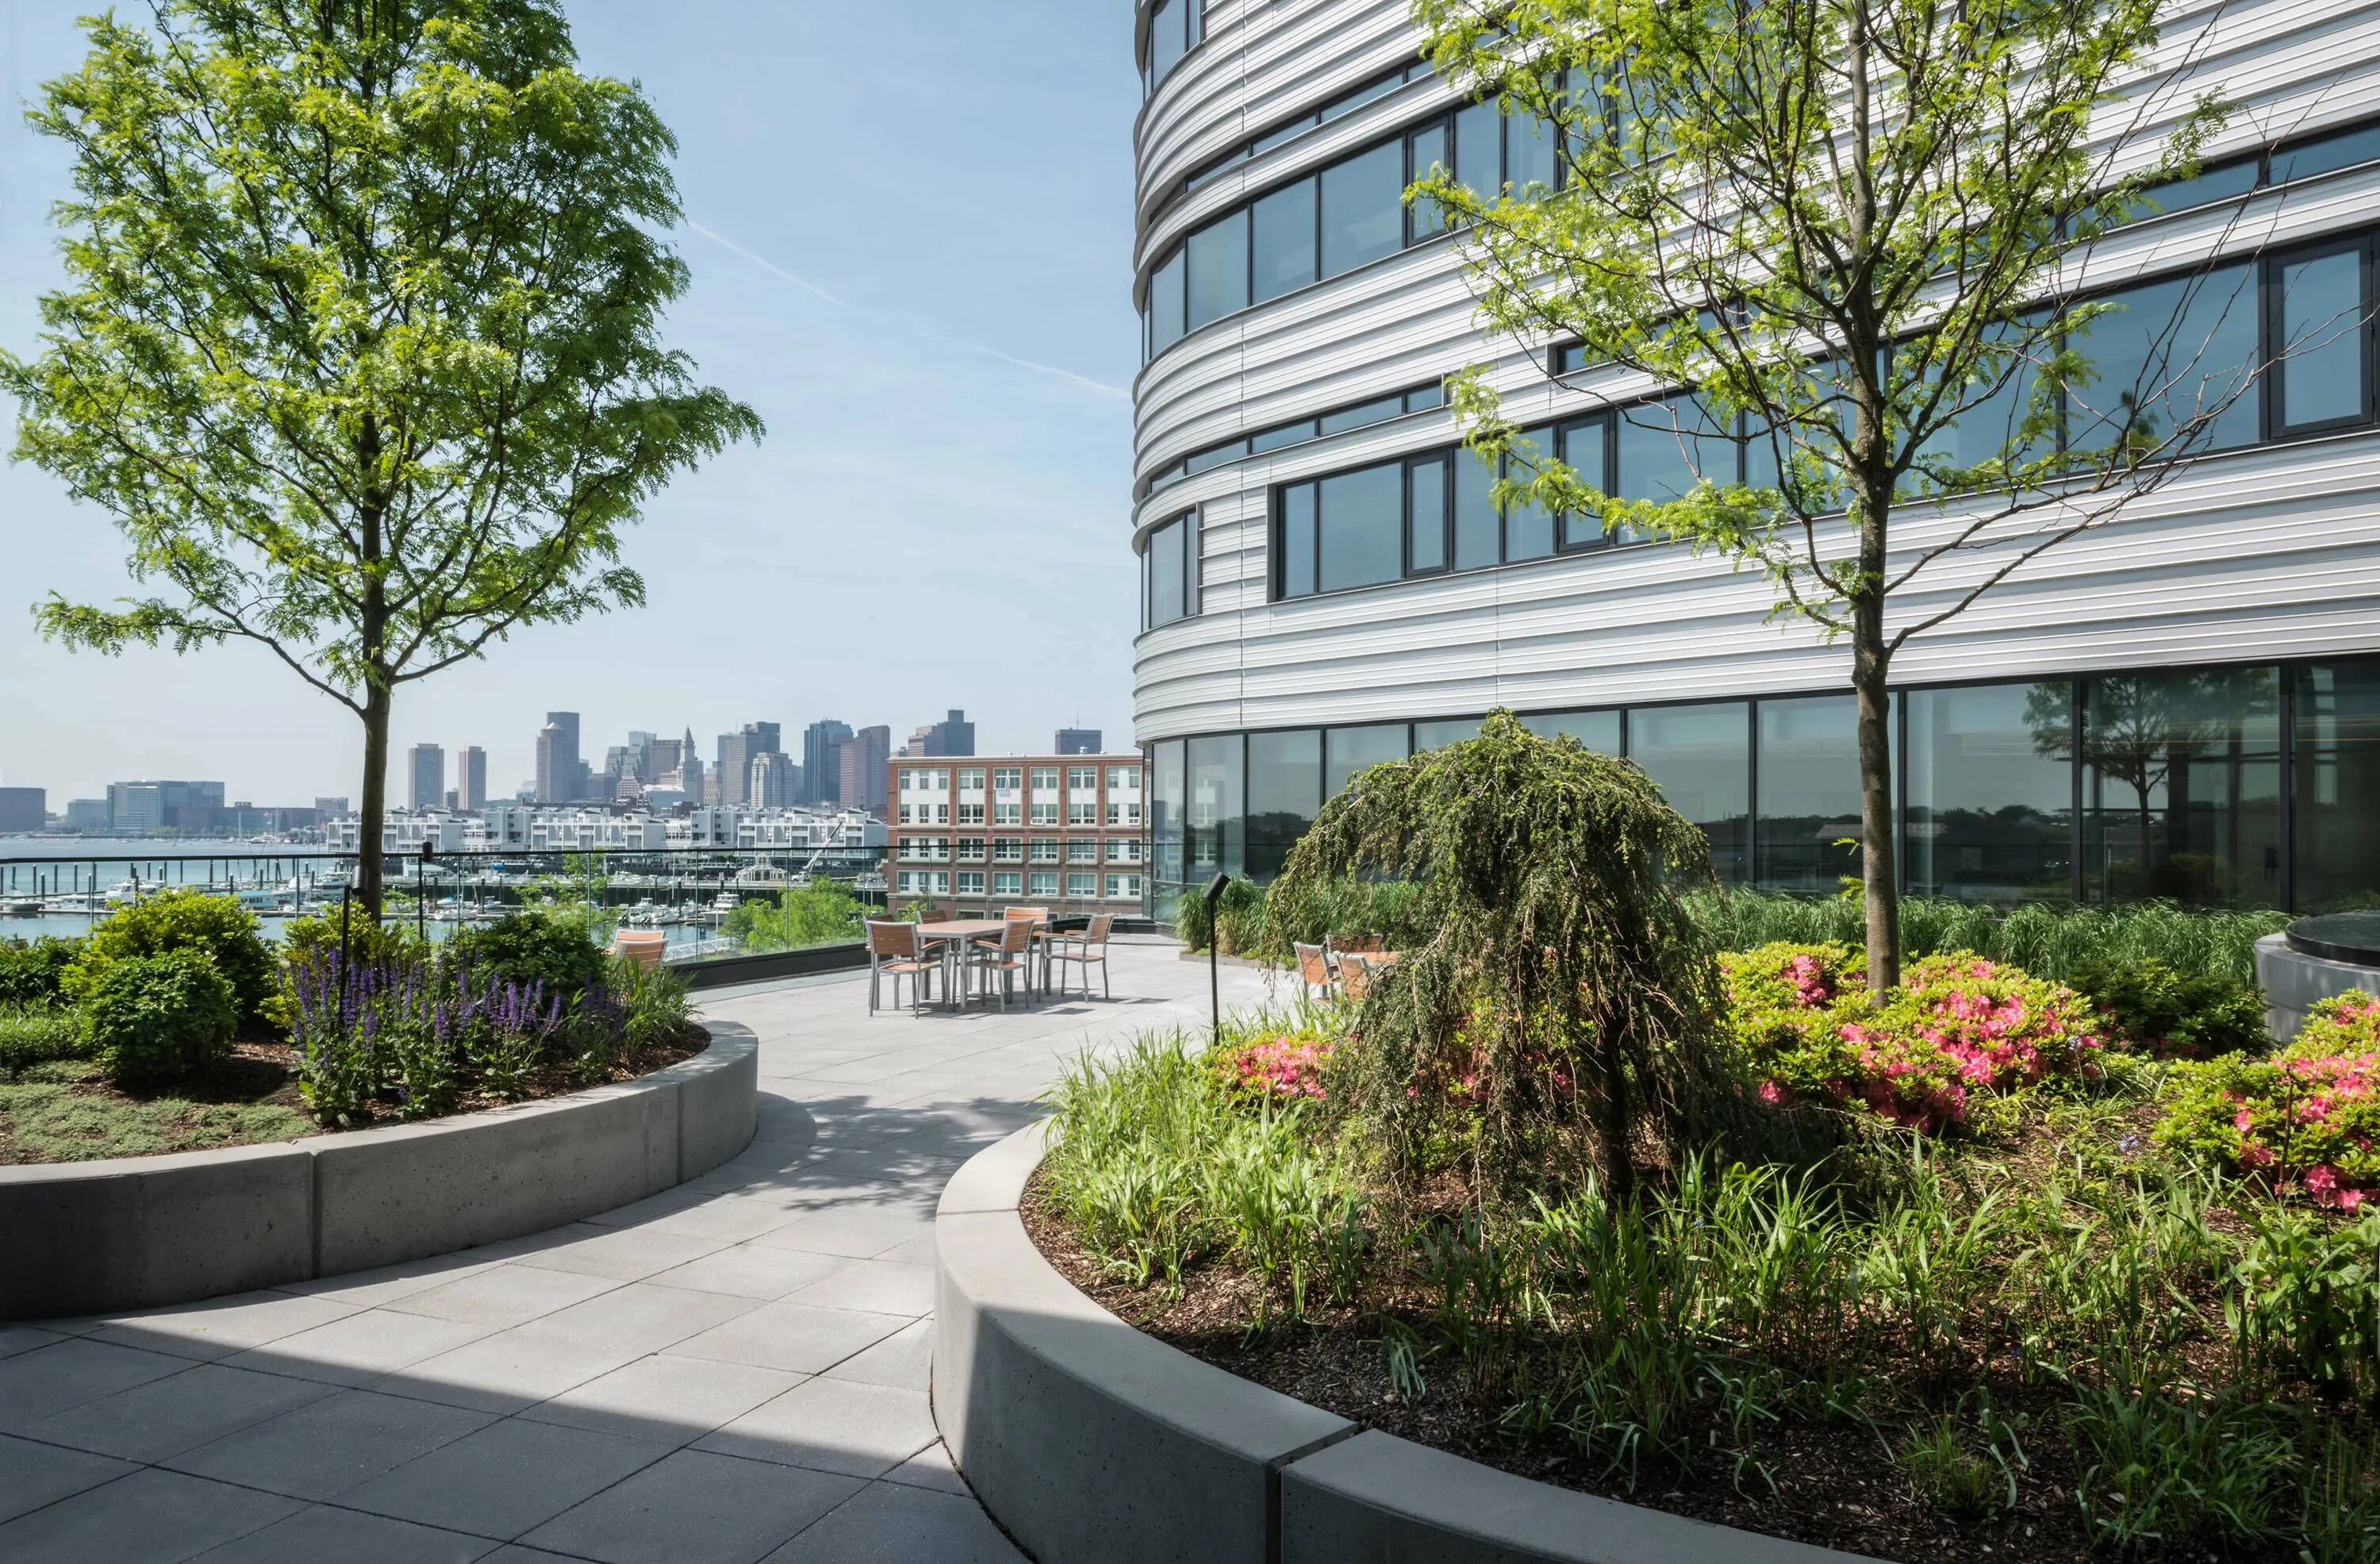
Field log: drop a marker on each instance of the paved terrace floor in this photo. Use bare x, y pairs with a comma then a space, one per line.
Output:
732, 1371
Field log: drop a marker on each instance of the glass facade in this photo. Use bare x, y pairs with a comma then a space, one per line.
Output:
2173, 783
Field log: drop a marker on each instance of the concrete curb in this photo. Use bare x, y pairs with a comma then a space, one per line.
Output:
1089, 1441
140, 1232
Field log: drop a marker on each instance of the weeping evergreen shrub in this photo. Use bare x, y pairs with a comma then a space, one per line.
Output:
1556, 1001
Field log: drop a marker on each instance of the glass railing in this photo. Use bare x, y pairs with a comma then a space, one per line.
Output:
706, 902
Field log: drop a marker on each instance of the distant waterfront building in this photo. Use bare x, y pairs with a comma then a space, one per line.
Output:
23, 809
86, 814
772, 784
1078, 740
737, 751
426, 764
1037, 830
822, 760
560, 773
542, 827
471, 777
164, 806
863, 760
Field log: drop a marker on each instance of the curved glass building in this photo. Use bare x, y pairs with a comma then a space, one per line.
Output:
2184, 704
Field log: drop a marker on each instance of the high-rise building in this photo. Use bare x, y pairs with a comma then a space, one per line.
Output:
736, 753
87, 815
822, 760
560, 771
863, 759
771, 782
471, 779
1078, 740
426, 765
164, 806
23, 809
1335, 585
665, 756
952, 736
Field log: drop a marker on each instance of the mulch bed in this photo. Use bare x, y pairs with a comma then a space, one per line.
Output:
1836, 1485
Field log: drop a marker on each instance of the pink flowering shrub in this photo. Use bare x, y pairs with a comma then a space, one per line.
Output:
1958, 1025
1286, 1064
2308, 1119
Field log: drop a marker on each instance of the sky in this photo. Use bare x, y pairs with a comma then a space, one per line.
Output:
910, 244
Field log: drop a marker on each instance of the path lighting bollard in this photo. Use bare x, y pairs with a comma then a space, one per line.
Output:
1214, 950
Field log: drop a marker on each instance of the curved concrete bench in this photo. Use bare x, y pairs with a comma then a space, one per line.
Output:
140, 1232
1090, 1441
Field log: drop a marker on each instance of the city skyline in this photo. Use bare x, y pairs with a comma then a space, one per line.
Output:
810, 321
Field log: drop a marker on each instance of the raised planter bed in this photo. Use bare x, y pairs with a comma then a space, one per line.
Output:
1090, 1441
138, 1232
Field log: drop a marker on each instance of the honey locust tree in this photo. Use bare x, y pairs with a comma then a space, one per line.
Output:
359, 345
1851, 233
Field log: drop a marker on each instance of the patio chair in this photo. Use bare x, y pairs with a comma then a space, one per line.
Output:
1314, 969
1086, 947
1008, 953
1039, 942
644, 947
892, 947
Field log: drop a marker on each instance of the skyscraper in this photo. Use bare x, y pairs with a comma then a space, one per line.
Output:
471, 777
558, 766
1078, 741
770, 785
736, 753
426, 764
952, 736
863, 758
822, 760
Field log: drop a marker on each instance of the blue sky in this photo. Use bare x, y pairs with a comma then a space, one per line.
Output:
913, 258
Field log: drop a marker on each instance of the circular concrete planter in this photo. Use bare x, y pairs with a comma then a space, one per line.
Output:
140, 1232
2295, 982
1089, 1441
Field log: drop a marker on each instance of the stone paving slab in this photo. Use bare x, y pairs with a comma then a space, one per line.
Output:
733, 1370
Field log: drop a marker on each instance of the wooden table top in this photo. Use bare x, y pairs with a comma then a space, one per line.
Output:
961, 928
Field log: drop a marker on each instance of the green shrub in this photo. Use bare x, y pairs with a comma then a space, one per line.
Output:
31, 974
32, 1035
2308, 1117
657, 1003
2176, 1015
1786, 1005
151, 1017
822, 912
557, 950
217, 927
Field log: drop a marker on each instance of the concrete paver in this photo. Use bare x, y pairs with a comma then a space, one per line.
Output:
735, 1369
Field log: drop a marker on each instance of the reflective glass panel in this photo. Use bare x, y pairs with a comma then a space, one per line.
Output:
2341, 151
1169, 36
1356, 417
1284, 789
1666, 447
1218, 269
2336, 811
1584, 449
1425, 517
1362, 95
1990, 780
1286, 435
2173, 353
1528, 153
1166, 799
1215, 814
1479, 150
1598, 731
1427, 152
1529, 527
1214, 456
1438, 735
1297, 540
2209, 185
1990, 430
1422, 399
1165, 305
1478, 535
1167, 592
2321, 330
1347, 751
2182, 787
1361, 517
1282, 229
1701, 757
1363, 208
1809, 793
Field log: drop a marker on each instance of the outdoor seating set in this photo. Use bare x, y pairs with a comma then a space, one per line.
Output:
964, 954
1341, 965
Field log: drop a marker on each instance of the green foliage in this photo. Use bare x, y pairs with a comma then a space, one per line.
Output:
2308, 1117
822, 912
2176, 1015
2306, 1303
2165, 1473
2063, 944
1557, 973
658, 1003
557, 950
152, 1018
217, 927
1952, 1477
359, 343
33, 974
33, 1036
50, 1121
1265, 921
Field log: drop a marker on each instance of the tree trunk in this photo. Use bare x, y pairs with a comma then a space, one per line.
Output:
370, 845
1879, 876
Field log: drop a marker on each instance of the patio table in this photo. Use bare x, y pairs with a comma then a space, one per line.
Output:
949, 939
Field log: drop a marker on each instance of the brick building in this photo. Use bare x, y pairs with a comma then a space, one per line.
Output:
974, 835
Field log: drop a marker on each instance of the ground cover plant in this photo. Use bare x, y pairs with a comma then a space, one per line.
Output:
1984, 1266
145, 1038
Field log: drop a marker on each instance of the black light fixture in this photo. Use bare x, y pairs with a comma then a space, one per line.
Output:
1214, 950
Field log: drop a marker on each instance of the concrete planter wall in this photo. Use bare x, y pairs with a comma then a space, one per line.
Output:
2295, 982
138, 1232
1089, 1441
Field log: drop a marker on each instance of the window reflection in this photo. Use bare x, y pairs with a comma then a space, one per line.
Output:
1990, 778
2181, 784
1701, 757
1598, 731
1347, 750
1284, 791
1215, 808
1363, 208
2336, 792
1809, 774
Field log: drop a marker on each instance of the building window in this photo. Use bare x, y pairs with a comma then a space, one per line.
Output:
1989, 773
1123, 850
1007, 780
1082, 888
970, 814
1123, 779
1044, 850
1809, 794
1041, 883
1082, 812
1045, 812
1082, 779
1126, 813
1007, 882
1124, 887
1174, 29
1284, 792
2336, 711
1008, 849
1045, 779
1082, 849
1701, 756
1007, 812
970, 882
2181, 787
970, 850
971, 779
1168, 572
